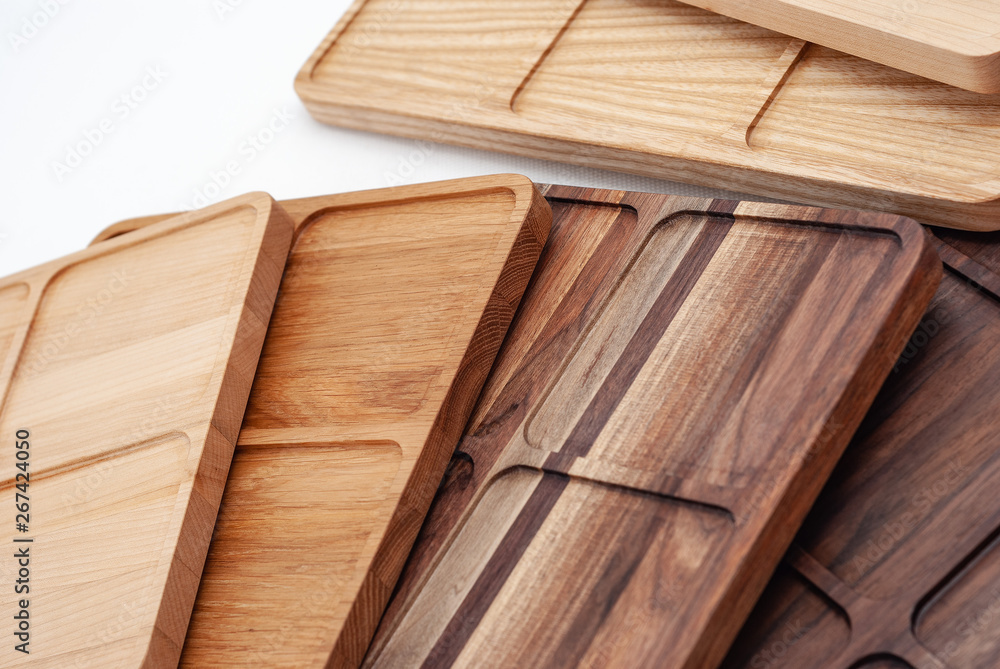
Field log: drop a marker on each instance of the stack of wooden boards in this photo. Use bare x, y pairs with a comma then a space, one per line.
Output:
751, 338
394, 479
131, 364
486, 424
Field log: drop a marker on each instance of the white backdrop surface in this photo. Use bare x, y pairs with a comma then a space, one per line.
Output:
118, 108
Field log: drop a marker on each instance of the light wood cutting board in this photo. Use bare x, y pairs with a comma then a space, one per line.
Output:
953, 41
899, 559
392, 309
124, 374
665, 90
679, 381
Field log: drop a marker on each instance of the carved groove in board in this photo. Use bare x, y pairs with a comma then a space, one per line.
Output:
97, 458
484, 585
548, 50
13, 300
288, 504
677, 488
689, 246
345, 24
865, 613
900, 612
969, 598
757, 106
554, 443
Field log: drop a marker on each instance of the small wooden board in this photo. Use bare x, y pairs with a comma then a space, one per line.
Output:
679, 382
393, 307
124, 373
665, 90
953, 41
898, 562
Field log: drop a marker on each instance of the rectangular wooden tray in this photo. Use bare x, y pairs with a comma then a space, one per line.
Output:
953, 41
393, 306
898, 562
665, 90
124, 374
678, 383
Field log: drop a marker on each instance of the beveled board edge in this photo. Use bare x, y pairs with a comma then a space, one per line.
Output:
974, 69
304, 210
531, 217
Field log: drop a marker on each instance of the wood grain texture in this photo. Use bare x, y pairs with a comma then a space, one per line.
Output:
663, 89
952, 41
897, 564
391, 312
679, 381
130, 365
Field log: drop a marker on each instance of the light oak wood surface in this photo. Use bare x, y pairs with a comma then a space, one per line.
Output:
129, 365
899, 558
666, 90
678, 383
392, 309
953, 41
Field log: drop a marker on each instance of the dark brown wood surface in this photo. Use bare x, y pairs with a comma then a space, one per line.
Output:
679, 382
897, 565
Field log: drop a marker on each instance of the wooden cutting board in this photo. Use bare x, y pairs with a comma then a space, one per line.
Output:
392, 309
899, 558
124, 375
953, 41
678, 383
665, 90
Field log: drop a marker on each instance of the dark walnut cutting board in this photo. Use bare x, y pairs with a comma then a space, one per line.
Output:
391, 311
897, 565
678, 384
666, 90
124, 374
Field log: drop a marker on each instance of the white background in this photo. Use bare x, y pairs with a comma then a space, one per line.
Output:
226, 68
